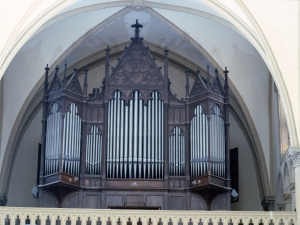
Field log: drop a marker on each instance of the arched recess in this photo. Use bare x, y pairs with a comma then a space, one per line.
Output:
197, 202
49, 200
263, 180
218, 202
180, 62
70, 201
257, 38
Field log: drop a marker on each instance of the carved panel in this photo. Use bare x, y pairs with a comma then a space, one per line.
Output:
74, 84
137, 67
71, 201
176, 183
92, 182
176, 203
155, 200
199, 87
49, 200
197, 203
114, 200
92, 201
95, 114
135, 200
177, 115
216, 86
219, 202
56, 84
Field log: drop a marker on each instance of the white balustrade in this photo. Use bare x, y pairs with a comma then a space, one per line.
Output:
65, 216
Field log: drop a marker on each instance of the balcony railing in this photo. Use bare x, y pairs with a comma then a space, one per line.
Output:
55, 216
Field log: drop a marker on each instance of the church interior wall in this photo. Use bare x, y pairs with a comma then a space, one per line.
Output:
248, 72
23, 176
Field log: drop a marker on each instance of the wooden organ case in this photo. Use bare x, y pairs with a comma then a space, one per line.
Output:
135, 144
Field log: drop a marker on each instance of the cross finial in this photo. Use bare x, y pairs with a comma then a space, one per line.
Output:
137, 26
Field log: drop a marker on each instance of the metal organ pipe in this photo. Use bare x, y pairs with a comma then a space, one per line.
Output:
217, 142
135, 134
53, 139
176, 153
93, 151
199, 151
71, 141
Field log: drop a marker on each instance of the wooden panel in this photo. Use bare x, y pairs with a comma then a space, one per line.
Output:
135, 200
219, 203
114, 200
197, 203
71, 201
92, 201
49, 200
176, 203
155, 200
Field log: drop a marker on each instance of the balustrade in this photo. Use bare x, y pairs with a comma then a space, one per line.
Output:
64, 216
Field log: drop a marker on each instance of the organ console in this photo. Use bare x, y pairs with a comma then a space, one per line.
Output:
135, 141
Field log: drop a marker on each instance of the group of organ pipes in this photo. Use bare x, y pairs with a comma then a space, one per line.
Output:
135, 128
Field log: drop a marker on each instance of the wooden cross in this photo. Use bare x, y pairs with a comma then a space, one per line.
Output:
137, 26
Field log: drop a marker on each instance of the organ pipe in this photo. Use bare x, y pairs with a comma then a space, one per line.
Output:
71, 141
201, 156
176, 153
53, 140
93, 151
135, 137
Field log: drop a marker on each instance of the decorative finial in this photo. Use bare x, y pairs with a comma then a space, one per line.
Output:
198, 71
166, 51
187, 71
226, 87
86, 70
187, 85
137, 26
56, 69
107, 50
85, 85
226, 71
216, 71
207, 78
75, 68
65, 75
46, 80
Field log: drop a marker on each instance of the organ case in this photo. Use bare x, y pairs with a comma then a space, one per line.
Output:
134, 143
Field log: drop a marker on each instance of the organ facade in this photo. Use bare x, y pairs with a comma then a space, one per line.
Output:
134, 144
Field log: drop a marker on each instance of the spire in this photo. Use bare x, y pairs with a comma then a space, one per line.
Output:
226, 87
56, 70
216, 71
85, 85
187, 86
137, 26
166, 66
46, 80
198, 72
107, 50
166, 55
65, 76
208, 78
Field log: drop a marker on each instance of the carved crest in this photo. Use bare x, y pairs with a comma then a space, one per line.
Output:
73, 84
56, 83
136, 66
216, 86
198, 87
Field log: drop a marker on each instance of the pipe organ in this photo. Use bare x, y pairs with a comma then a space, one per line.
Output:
134, 143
